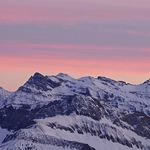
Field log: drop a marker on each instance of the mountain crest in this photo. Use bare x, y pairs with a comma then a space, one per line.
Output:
60, 112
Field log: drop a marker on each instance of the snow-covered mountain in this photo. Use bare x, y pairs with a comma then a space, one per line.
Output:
3, 94
60, 112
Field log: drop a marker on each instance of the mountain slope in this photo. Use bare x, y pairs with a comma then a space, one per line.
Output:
3, 94
60, 112
40, 89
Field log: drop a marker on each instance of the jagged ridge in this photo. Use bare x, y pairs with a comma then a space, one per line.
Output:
126, 106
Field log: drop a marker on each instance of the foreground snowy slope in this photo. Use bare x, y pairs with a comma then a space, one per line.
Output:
60, 112
75, 132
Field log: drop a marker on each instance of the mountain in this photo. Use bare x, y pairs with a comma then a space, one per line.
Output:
60, 112
3, 94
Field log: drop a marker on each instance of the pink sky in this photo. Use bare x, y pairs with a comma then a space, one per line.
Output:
78, 37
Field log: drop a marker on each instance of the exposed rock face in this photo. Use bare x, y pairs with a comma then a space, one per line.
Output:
66, 113
3, 95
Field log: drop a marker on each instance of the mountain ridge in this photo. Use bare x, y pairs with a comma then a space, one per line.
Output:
99, 109
96, 87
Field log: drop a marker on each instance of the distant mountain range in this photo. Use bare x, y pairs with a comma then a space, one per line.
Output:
63, 113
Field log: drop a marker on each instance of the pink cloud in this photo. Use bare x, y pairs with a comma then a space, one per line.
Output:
21, 56
69, 65
58, 56
139, 33
59, 11
19, 44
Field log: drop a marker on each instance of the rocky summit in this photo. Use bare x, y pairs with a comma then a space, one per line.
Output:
63, 113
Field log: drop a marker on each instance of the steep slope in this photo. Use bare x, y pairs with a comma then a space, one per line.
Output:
76, 132
3, 95
60, 112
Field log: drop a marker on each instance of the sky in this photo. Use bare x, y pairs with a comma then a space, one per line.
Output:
108, 38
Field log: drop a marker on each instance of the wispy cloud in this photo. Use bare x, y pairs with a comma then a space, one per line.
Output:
73, 11
139, 33
77, 37
74, 57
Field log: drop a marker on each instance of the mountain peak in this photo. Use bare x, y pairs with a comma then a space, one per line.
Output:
60, 112
37, 80
37, 77
37, 74
64, 76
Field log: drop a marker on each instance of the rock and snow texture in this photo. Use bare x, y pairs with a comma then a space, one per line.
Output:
4, 94
40, 89
60, 112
